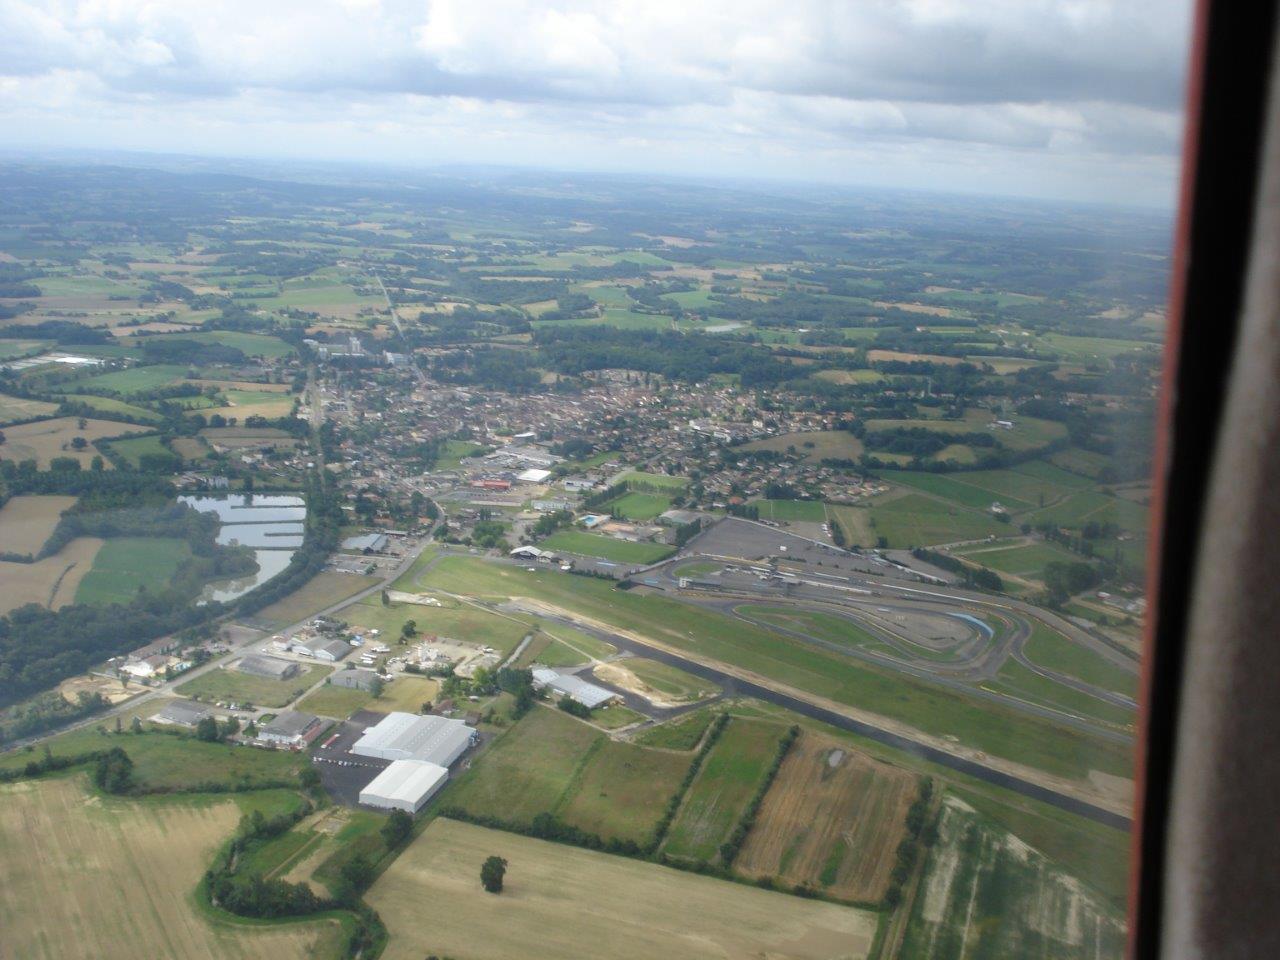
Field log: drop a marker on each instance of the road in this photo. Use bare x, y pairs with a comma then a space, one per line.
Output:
395, 319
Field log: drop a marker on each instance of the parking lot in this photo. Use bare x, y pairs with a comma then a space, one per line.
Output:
342, 773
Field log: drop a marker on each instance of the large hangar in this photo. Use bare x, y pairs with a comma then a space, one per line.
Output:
405, 785
406, 736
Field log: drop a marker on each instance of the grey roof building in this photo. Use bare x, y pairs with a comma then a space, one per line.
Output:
567, 685
273, 668
182, 713
354, 679
292, 727
366, 543
406, 736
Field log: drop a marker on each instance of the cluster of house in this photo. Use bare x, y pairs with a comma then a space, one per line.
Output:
290, 729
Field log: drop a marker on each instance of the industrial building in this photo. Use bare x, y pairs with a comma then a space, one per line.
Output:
575, 688
406, 736
366, 543
293, 728
355, 679
272, 668
330, 650
405, 785
182, 713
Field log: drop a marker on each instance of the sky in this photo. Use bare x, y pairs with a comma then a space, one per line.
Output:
1062, 99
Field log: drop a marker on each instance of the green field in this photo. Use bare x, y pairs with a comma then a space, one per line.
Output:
606, 548
337, 702
454, 452
1020, 560
708, 634
252, 344
13, 409
110, 405
639, 507
227, 684
728, 778
133, 449
551, 763
1023, 487
1049, 649
669, 683
660, 480
134, 379
453, 618
917, 521
1018, 681
126, 564
816, 446
807, 511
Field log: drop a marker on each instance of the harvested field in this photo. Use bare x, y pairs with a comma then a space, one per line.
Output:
832, 819
51, 582
114, 880
880, 356
914, 308
814, 446
986, 893
18, 408
45, 439
27, 521
561, 901
728, 779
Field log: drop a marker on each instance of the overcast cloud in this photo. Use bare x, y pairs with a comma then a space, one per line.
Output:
1062, 98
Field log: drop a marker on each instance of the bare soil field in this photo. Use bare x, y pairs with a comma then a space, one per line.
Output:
244, 385
878, 355
52, 582
45, 439
112, 690
832, 819
915, 308
27, 521
113, 880
561, 901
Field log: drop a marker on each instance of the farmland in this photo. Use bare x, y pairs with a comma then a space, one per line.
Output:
789, 511
1026, 559
134, 449
561, 902
232, 685
682, 733
18, 408
916, 520
125, 564
987, 893
453, 618
550, 763
45, 439
727, 780
832, 820
605, 548
134, 379
51, 582
114, 880
27, 521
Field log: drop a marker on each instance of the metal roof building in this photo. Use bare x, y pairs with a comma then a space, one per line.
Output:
291, 727
272, 668
183, 713
405, 785
566, 684
406, 736
366, 543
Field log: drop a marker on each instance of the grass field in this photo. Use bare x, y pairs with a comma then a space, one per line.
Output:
125, 564
1027, 433
551, 763
1024, 487
660, 480
45, 439
133, 449
453, 618
135, 379
109, 405
561, 901
726, 782
319, 593
51, 582
814, 447
27, 521
336, 702
605, 548
1020, 560
18, 408
808, 511
915, 520
640, 507
1049, 649
657, 682
712, 635
682, 733
113, 880
231, 685
855, 522
986, 893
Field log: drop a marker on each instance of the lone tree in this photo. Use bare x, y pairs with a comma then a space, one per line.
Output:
491, 874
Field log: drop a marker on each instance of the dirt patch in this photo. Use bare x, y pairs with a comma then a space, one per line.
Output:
620, 676
915, 308
51, 582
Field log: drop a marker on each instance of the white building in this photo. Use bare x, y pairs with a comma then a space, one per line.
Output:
405, 785
407, 736
567, 685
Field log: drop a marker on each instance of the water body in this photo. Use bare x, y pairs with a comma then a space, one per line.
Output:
270, 563
272, 524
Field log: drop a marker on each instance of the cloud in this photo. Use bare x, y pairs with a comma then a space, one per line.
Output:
732, 78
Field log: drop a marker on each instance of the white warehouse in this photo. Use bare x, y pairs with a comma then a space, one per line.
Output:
405, 785
406, 736
575, 688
